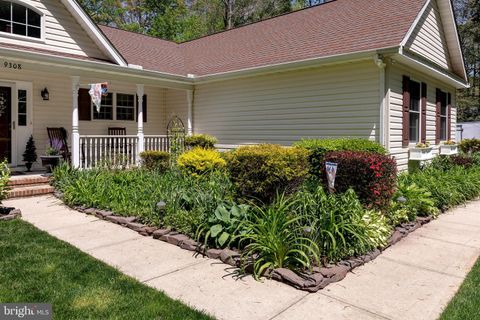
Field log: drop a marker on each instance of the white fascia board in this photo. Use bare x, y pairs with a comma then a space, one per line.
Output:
448, 16
94, 32
415, 23
418, 64
295, 65
66, 63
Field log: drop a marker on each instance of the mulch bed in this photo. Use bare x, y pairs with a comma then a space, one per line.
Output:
8, 213
313, 281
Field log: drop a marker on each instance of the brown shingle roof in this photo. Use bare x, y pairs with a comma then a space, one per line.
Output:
149, 52
334, 28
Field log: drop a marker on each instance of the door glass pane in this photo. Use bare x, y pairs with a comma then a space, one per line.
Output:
19, 13
414, 126
5, 10
22, 107
20, 29
33, 18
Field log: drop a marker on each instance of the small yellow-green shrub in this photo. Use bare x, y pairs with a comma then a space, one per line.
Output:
262, 171
199, 161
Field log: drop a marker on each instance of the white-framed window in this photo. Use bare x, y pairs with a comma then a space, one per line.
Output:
415, 111
20, 20
125, 107
106, 108
443, 115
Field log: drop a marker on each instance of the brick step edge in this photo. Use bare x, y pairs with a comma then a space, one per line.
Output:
29, 191
310, 282
28, 181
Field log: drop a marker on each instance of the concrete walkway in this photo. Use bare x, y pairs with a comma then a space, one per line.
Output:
415, 279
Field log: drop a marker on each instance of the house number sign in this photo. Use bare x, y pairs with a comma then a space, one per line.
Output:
12, 65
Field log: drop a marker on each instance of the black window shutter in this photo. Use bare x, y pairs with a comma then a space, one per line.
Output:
84, 105
406, 112
424, 112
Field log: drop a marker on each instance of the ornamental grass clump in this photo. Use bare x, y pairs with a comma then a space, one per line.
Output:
260, 172
339, 224
199, 161
274, 238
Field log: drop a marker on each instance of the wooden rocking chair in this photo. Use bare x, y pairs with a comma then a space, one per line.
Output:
58, 139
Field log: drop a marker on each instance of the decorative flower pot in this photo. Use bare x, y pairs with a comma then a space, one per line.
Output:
421, 154
449, 149
50, 162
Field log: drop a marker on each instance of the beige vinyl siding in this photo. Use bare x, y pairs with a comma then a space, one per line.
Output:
334, 101
176, 102
62, 32
395, 74
428, 39
57, 112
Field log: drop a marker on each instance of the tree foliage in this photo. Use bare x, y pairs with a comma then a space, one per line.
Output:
468, 18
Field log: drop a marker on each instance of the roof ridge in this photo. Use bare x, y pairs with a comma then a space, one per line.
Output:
138, 33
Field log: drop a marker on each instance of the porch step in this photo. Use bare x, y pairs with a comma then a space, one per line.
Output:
29, 180
30, 191
29, 185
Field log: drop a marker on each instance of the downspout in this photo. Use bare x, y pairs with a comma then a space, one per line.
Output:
379, 61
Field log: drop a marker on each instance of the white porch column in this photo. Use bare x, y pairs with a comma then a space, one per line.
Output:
190, 112
75, 131
140, 134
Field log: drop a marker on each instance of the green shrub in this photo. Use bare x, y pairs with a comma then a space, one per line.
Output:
318, 148
200, 140
222, 226
155, 160
448, 187
260, 172
409, 202
371, 175
199, 161
470, 145
4, 178
275, 239
339, 224
449, 162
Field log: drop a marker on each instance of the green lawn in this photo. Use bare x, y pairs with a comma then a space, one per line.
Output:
466, 304
35, 267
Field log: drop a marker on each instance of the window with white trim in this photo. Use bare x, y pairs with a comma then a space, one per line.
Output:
125, 107
443, 115
415, 111
106, 108
20, 20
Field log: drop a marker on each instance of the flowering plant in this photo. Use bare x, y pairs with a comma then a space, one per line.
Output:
450, 143
422, 145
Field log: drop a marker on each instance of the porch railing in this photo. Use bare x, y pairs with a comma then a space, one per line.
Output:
157, 143
119, 151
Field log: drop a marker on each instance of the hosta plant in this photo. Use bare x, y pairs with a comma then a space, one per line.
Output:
223, 226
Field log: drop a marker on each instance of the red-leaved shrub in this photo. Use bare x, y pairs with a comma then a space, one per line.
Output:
373, 176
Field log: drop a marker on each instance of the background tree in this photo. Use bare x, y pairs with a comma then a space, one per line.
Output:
468, 19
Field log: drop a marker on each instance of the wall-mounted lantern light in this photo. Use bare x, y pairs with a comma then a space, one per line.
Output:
45, 94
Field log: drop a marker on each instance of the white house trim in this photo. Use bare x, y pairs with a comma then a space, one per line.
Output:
415, 23
94, 32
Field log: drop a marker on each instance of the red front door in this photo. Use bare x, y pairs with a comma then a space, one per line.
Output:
5, 121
